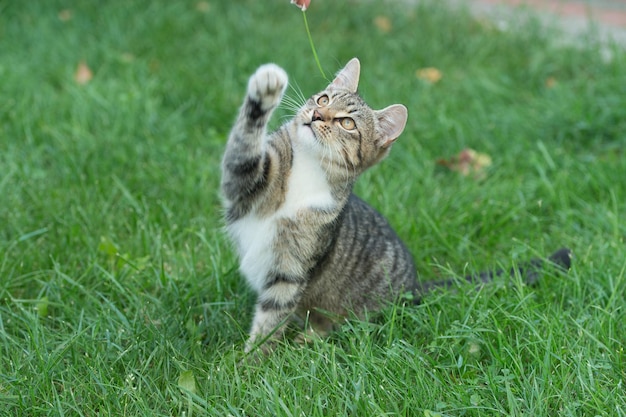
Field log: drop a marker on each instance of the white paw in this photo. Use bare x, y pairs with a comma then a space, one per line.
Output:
267, 85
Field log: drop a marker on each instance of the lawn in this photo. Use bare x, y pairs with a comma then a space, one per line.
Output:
119, 293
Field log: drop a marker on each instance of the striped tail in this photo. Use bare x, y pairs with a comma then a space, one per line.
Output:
530, 271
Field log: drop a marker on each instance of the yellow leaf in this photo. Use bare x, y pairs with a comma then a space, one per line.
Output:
551, 82
83, 73
429, 74
383, 24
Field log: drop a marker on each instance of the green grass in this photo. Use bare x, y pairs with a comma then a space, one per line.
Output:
117, 283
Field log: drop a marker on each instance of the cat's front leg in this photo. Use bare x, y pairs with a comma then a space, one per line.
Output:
246, 165
275, 306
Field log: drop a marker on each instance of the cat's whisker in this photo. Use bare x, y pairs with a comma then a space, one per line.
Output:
286, 117
293, 101
298, 92
291, 104
288, 106
298, 100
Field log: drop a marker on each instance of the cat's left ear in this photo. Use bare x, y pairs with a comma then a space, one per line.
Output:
391, 123
348, 77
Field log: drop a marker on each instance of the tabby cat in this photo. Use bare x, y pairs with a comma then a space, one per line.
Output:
307, 245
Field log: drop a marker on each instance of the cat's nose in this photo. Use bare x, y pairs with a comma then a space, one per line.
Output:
316, 116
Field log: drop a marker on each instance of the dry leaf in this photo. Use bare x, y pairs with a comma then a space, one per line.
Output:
203, 6
65, 15
383, 24
430, 74
551, 82
83, 74
468, 162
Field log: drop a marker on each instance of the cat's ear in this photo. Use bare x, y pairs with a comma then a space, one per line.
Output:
348, 77
391, 123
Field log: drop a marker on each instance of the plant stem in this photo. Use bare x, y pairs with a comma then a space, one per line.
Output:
317, 60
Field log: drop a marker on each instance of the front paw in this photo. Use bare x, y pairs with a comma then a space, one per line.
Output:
267, 86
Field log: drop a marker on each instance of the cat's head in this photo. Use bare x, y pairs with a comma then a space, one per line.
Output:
343, 129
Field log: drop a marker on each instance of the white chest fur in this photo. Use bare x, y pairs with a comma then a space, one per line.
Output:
254, 236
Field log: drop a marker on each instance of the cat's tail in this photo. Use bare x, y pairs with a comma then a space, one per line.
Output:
530, 271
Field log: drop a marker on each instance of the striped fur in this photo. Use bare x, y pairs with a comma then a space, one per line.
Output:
306, 244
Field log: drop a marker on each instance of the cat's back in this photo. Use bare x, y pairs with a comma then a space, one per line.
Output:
368, 233
368, 263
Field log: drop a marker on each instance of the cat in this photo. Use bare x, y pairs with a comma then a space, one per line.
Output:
307, 245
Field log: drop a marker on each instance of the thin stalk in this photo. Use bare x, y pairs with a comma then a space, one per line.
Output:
317, 60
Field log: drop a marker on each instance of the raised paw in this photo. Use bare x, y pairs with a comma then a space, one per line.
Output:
267, 85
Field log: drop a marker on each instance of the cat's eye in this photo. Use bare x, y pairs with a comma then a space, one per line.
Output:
348, 123
323, 100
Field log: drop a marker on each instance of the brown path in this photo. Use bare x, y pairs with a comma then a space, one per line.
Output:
605, 13
574, 17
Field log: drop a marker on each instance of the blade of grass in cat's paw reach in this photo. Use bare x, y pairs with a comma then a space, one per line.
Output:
303, 5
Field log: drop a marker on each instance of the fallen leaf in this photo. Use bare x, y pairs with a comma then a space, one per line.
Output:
65, 15
551, 82
383, 24
203, 6
468, 162
83, 74
429, 74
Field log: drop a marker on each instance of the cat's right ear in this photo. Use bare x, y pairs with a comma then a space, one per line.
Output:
391, 123
348, 77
